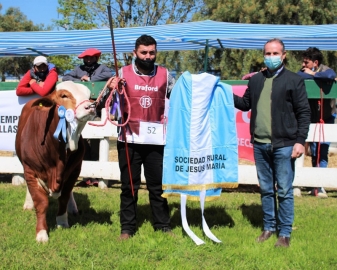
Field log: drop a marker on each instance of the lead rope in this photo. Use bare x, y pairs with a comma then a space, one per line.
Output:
115, 85
320, 129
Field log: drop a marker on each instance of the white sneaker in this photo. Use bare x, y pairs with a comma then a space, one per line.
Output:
322, 195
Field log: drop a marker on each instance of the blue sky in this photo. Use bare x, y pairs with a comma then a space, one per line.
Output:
38, 11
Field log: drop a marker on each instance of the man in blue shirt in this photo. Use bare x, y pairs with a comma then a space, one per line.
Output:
321, 109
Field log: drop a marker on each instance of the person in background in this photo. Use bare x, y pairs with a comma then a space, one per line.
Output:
90, 71
312, 68
147, 107
279, 125
40, 79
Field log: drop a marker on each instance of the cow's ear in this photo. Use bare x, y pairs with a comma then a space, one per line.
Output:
43, 102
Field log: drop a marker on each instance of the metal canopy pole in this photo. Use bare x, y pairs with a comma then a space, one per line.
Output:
206, 56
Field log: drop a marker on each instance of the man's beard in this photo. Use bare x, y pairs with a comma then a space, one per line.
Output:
88, 67
147, 64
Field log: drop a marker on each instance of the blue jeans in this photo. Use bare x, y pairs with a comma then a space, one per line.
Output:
323, 151
323, 154
275, 166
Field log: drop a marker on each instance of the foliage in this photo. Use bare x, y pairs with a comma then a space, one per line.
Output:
91, 242
234, 63
88, 14
14, 20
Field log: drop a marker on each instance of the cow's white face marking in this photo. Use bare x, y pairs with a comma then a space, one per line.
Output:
83, 112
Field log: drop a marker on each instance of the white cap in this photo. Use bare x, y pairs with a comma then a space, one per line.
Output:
40, 60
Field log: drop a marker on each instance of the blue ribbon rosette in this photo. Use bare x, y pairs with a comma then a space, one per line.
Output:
61, 127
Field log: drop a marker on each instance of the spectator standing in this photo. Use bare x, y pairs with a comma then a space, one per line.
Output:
40, 79
279, 124
147, 86
321, 109
90, 71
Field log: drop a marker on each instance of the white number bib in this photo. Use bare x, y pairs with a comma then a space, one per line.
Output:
152, 133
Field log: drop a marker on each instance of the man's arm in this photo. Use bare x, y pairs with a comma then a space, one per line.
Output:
243, 103
327, 74
72, 75
170, 84
24, 88
301, 110
102, 73
47, 86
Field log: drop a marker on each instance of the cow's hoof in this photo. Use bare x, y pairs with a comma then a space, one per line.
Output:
55, 195
18, 180
42, 236
28, 206
102, 185
62, 221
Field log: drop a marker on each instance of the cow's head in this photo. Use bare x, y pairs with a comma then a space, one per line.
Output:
75, 98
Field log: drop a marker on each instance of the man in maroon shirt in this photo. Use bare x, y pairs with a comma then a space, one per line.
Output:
40, 79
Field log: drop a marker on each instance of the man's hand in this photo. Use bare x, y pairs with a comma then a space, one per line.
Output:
113, 83
41, 84
85, 78
32, 81
298, 150
309, 71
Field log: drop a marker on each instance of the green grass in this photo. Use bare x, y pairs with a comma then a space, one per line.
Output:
91, 242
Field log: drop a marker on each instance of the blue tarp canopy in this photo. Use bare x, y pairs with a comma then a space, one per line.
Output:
170, 37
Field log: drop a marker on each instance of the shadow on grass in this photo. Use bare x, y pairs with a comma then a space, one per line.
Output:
242, 189
86, 215
253, 213
215, 216
6, 177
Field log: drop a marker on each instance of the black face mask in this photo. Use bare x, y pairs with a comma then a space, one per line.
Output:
90, 68
145, 64
42, 75
39, 76
89, 64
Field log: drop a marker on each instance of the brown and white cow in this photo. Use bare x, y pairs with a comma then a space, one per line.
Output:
52, 166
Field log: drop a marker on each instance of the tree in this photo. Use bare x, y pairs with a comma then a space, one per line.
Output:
88, 14
14, 20
233, 62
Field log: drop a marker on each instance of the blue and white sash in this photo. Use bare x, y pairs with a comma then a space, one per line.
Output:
201, 152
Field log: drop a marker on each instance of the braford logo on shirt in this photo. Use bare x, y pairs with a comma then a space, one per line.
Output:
146, 88
145, 101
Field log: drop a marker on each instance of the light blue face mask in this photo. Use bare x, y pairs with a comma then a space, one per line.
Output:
273, 62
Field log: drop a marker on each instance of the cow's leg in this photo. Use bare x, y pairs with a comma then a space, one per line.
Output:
40, 199
62, 215
56, 181
72, 206
29, 204
66, 196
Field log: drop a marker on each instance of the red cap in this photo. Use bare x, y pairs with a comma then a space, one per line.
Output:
90, 52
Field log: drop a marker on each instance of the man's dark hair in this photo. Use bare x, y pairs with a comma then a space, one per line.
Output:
145, 40
275, 40
313, 54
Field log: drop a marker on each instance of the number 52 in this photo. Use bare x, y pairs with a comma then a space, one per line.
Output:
151, 130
